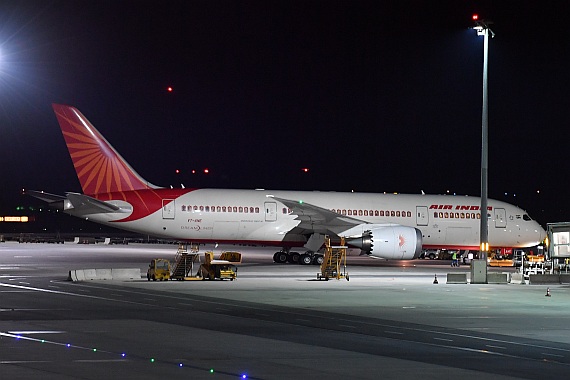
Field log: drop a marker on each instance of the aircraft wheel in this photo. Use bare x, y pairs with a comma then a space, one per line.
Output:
318, 260
305, 259
293, 257
280, 257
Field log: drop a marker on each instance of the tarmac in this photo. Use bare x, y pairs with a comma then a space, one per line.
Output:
276, 321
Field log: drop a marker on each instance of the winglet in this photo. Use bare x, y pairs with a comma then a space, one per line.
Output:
99, 167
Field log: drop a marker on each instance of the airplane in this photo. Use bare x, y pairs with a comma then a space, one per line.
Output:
386, 226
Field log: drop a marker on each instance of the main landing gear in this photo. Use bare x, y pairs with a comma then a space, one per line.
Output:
285, 256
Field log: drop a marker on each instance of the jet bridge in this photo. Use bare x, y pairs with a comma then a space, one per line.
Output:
558, 235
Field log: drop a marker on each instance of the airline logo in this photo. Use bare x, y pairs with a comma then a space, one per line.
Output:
402, 241
99, 168
458, 207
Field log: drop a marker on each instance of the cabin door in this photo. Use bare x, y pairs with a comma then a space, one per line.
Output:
500, 218
168, 209
422, 215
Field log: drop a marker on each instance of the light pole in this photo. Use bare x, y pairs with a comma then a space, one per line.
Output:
483, 29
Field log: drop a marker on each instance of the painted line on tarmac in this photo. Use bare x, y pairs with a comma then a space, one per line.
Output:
23, 361
59, 292
36, 332
443, 339
497, 347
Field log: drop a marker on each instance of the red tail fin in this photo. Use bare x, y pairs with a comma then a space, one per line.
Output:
100, 168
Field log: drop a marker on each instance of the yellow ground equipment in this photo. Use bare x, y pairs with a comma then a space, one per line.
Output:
223, 268
158, 269
334, 257
185, 263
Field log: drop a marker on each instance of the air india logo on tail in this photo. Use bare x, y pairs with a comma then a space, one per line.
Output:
99, 167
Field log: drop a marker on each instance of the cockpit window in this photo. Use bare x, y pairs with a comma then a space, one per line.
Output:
526, 217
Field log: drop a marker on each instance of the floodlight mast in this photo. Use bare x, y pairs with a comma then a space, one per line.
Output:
483, 29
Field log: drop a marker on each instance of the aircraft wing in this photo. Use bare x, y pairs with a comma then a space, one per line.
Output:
314, 217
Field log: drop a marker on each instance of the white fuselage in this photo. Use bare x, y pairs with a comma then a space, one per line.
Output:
252, 216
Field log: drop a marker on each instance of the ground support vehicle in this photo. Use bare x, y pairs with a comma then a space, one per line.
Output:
158, 269
334, 258
219, 269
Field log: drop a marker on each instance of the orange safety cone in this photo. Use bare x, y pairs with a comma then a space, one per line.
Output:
435, 280
547, 292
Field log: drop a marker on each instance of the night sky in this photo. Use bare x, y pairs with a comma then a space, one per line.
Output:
371, 96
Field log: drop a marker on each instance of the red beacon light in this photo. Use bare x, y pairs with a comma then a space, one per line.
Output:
475, 17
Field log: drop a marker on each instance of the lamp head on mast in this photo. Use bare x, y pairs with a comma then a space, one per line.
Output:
481, 26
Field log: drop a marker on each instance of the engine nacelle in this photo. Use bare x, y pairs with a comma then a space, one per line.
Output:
393, 242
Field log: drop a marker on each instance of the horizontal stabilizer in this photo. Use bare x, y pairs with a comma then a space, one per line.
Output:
86, 204
46, 197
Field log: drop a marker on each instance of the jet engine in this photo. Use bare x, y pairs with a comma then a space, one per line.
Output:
393, 242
